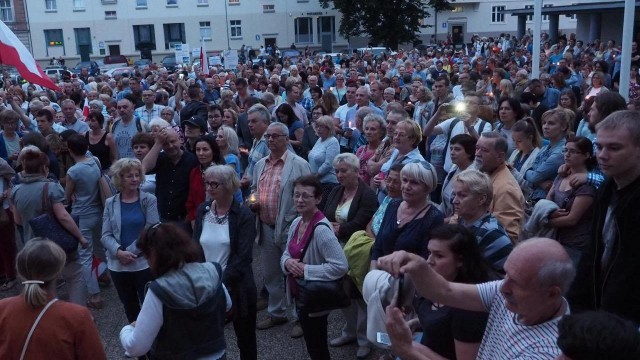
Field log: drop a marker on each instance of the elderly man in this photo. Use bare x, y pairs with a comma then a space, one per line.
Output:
70, 120
150, 110
258, 119
273, 185
125, 127
524, 308
508, 200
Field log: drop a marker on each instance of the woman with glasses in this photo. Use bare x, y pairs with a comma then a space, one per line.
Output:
340, 91
208, 153
310, 137
322, 154
573, 218
183, 312
126, 214
374, 131
101, 143
324, 259
225, 229
598, 81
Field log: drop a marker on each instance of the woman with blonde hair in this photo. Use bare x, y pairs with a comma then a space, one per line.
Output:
126, 214
62, 330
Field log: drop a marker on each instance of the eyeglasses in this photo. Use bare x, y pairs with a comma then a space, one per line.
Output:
212, 184
571, 151
273, 136
303, 196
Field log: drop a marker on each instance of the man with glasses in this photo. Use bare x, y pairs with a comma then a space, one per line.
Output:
150, 110
273, 185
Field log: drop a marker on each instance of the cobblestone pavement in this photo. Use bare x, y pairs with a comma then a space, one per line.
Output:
274, 343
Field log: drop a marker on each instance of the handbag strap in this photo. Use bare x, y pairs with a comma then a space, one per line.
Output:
33, 327
45, 197
304, 250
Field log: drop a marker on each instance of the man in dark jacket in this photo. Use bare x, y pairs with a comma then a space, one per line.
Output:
609, 272
195, 106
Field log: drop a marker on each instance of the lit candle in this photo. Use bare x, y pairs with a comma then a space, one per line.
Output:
252, 198
331, 88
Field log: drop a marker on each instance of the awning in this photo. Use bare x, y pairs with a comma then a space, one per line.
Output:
573, 9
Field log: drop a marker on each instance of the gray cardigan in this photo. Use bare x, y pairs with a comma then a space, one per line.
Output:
111, 230
294, 167
325, 259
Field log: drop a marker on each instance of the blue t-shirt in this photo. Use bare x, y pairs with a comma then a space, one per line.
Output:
232, 159
132, 220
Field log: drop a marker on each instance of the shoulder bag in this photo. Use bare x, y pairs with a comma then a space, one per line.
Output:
316, 296
105, 186
47, 225
35, 324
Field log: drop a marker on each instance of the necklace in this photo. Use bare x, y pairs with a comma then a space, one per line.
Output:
400, 221
213, 217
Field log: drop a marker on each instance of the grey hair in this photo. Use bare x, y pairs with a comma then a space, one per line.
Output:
158, 122
35, 105
67, 101
227, 175
265, 115
348, 158
363, 112
96, 102
477, 182
557, 273
284, 130
500, 144
423, 172
376, 118
326, 120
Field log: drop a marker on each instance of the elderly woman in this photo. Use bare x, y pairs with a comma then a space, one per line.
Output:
26, 204
66, 331
156, 125
322, 155
225, 230
101, 142
462, 149
528, 142
350, 205
472, 197
184, 309
424, 106
555, 126
597, 85
313, 253
208, 153
374, 132
126, 214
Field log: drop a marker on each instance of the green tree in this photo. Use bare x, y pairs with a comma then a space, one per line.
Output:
388, 22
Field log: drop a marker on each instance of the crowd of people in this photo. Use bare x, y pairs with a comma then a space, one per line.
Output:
458, 207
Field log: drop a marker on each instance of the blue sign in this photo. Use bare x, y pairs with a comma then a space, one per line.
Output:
444, 25
257, 37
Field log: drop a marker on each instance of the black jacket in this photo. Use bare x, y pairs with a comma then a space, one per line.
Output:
616, 288
238, 275
363, 206
193, 108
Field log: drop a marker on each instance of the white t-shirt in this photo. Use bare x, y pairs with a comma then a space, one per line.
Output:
342, 111
215, 242
459, 128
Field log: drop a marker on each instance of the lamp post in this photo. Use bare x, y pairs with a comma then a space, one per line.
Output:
226, 19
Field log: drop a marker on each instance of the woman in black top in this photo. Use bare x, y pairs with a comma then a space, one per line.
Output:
101, 143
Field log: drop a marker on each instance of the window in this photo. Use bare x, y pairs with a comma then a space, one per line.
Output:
268, 8
546, 17
326, 27
172, 3
234, 2
205, 29
110, 15
6, 10
174, 33
529, 17
144, 36
497, 15
50, 5
108, 2
83, 40
457, 9
236, 28
304, 30
141, 4
54, 37
78, 5
203, 2
573, 16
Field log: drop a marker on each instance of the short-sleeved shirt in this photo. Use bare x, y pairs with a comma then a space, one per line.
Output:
79, 126
27, 197
506, 339
122, 135
85, 176
172, 185
457, 129
575, 236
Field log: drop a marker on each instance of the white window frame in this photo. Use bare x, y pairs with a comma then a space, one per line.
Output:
498, 17
529, 17
79, 5
7, 16
50, 5
268, 8
141, 4
235, 25
205, 30
110, 15
311, 32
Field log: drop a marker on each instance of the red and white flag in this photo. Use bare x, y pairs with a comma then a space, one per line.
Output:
14, 53
85, 108
204, 61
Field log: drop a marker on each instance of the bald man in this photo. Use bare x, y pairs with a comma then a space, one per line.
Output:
524, 308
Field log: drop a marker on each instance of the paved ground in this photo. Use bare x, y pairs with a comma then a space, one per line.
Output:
274, 343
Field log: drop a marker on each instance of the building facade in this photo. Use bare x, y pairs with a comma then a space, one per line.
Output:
14, 14
68, 28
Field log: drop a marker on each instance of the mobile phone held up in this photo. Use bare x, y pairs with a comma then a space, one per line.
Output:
399, 299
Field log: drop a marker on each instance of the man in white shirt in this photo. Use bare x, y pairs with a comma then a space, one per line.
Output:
342, 111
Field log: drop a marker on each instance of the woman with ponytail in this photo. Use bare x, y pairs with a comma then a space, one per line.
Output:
527, 143
52, 329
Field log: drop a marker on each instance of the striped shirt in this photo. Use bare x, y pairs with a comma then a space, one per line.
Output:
507, 339
492, 240
269, 189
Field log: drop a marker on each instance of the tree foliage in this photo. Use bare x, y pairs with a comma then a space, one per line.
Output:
388, 22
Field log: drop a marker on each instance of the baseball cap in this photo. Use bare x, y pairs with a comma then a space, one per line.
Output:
197, 122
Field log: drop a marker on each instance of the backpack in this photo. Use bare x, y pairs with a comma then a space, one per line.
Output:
137, 120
